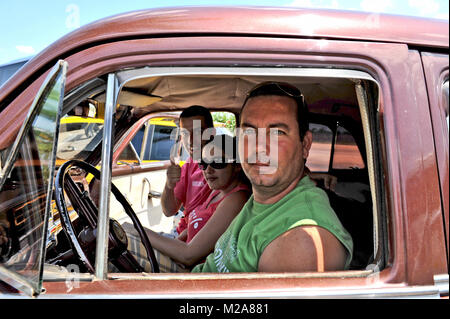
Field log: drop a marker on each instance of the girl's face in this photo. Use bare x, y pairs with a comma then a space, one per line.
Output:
221, 177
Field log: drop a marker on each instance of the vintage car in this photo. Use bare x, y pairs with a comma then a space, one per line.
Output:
377, 90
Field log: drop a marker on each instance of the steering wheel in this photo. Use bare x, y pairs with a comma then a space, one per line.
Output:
83, 243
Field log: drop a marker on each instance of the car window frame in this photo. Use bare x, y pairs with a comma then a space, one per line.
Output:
358, 76
59, 70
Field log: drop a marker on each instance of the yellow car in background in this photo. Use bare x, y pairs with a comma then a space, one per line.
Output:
152, 142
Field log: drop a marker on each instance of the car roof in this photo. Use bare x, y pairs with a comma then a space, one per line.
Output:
282, 22
264, 21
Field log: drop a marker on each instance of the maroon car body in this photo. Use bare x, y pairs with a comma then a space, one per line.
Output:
408, 58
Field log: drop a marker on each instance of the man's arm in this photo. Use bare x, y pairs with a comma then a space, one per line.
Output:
169, 203
303, 249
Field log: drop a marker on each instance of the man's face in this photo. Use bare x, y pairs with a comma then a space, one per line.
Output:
191, 134
276, 117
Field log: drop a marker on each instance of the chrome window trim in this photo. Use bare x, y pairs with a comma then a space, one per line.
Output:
355, 75
101, 253
135, 153
134, 74
402, 292
442, 283
153, 165
361, 96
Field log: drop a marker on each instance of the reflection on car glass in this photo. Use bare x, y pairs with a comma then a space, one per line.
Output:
77, 140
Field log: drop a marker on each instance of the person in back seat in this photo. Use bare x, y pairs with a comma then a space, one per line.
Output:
288, 223
185, 184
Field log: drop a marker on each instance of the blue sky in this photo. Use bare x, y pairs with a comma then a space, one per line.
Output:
28, 26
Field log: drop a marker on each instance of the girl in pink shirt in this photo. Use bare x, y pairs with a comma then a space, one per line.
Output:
200, 215
209, 220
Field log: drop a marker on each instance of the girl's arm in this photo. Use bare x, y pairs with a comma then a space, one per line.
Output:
183, 235
204, 241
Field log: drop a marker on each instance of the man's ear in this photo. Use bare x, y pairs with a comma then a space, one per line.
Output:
306, 144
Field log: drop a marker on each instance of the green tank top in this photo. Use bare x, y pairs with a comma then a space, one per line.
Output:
241, 246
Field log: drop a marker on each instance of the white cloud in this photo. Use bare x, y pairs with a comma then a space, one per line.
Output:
25, 49
376, 6
425, 8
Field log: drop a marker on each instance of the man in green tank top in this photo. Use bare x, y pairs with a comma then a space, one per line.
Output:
288, 223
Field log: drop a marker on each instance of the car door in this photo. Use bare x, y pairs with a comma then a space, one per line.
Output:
26, 179
437, 75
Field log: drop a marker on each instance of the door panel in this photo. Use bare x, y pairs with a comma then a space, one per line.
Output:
436, 68
136, 188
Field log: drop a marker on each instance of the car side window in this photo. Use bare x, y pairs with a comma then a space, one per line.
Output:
128, 155
137, 140
224, 122
346, 152
152, 142
159, 143
319, 154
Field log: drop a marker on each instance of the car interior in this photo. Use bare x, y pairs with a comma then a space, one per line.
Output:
342, 106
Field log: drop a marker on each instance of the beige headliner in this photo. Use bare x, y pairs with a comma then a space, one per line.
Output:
226, 91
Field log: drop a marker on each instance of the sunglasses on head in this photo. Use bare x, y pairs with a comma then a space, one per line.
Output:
216, 164
266, 88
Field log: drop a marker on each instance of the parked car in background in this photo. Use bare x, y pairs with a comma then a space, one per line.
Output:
8, 69
378, 98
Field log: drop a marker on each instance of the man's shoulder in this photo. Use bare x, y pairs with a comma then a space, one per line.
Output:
306, 190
